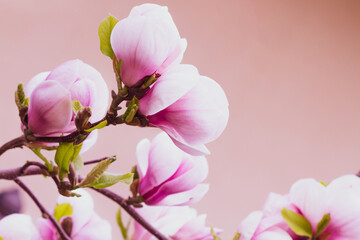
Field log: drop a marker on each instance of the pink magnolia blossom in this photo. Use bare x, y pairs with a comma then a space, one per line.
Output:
267, 224
179, 223
87, 225
51, 93
313, 200
192, 109
169, 176
18, 226
146, 42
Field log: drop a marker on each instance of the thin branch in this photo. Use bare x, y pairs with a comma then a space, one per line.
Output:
11, 174
44, 212
97, 160
131, 211
15, 143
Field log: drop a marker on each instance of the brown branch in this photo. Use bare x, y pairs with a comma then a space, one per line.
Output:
97, 160
44, 212
131, 211
15, 143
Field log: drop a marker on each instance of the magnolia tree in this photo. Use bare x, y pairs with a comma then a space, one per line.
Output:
63, 110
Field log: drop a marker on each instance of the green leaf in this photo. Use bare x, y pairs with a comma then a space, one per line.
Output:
322, 183
109, 179
78, 163
237, 236
1, 238
66, 153
215, 236
130, 112
123, 229
298, 223
20, 96
98, 126
62, 210
76, 106
105, 29
321, 226
96, 172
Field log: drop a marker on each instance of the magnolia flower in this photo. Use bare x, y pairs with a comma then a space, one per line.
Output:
146, 42
192, 109
336, 206
169, 176
51, 94
17, 226
86, 224
179, 223
267, 224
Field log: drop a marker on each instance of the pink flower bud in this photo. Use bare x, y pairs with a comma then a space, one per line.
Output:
191, 109
146, 42
179, 223
51, 93
169, 176
86, 224
18, 226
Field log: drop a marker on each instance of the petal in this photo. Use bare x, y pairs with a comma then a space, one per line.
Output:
164, 160
17, 226
175, 56
82, 208
75, 70
95, 229
185, 198
197, 150
142, 45
49, 108
309, 196
344, 207
190, 173
193, 229
249, 225
142, 156
172, 85
90, 141
34, 82
47, 230
198, 117
274, 234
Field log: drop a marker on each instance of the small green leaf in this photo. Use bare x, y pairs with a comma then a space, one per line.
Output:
215, 236
78, 163
123, 229
132, 109
62, 210
98, 126
105, 29
96, 172
109, 179
298, 223
322, 183
237, 236
321, 226
66, 153
20, 96
76, 106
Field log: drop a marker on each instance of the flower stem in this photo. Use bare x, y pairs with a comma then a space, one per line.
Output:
15, 143
44, 212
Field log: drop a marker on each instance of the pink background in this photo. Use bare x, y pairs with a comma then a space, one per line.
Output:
290, 69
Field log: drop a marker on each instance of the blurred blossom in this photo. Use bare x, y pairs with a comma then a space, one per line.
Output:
18, 226
86, 224
51, 93
146, 42
169, 176
179, 223
313, 200
9, 202
192, 109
